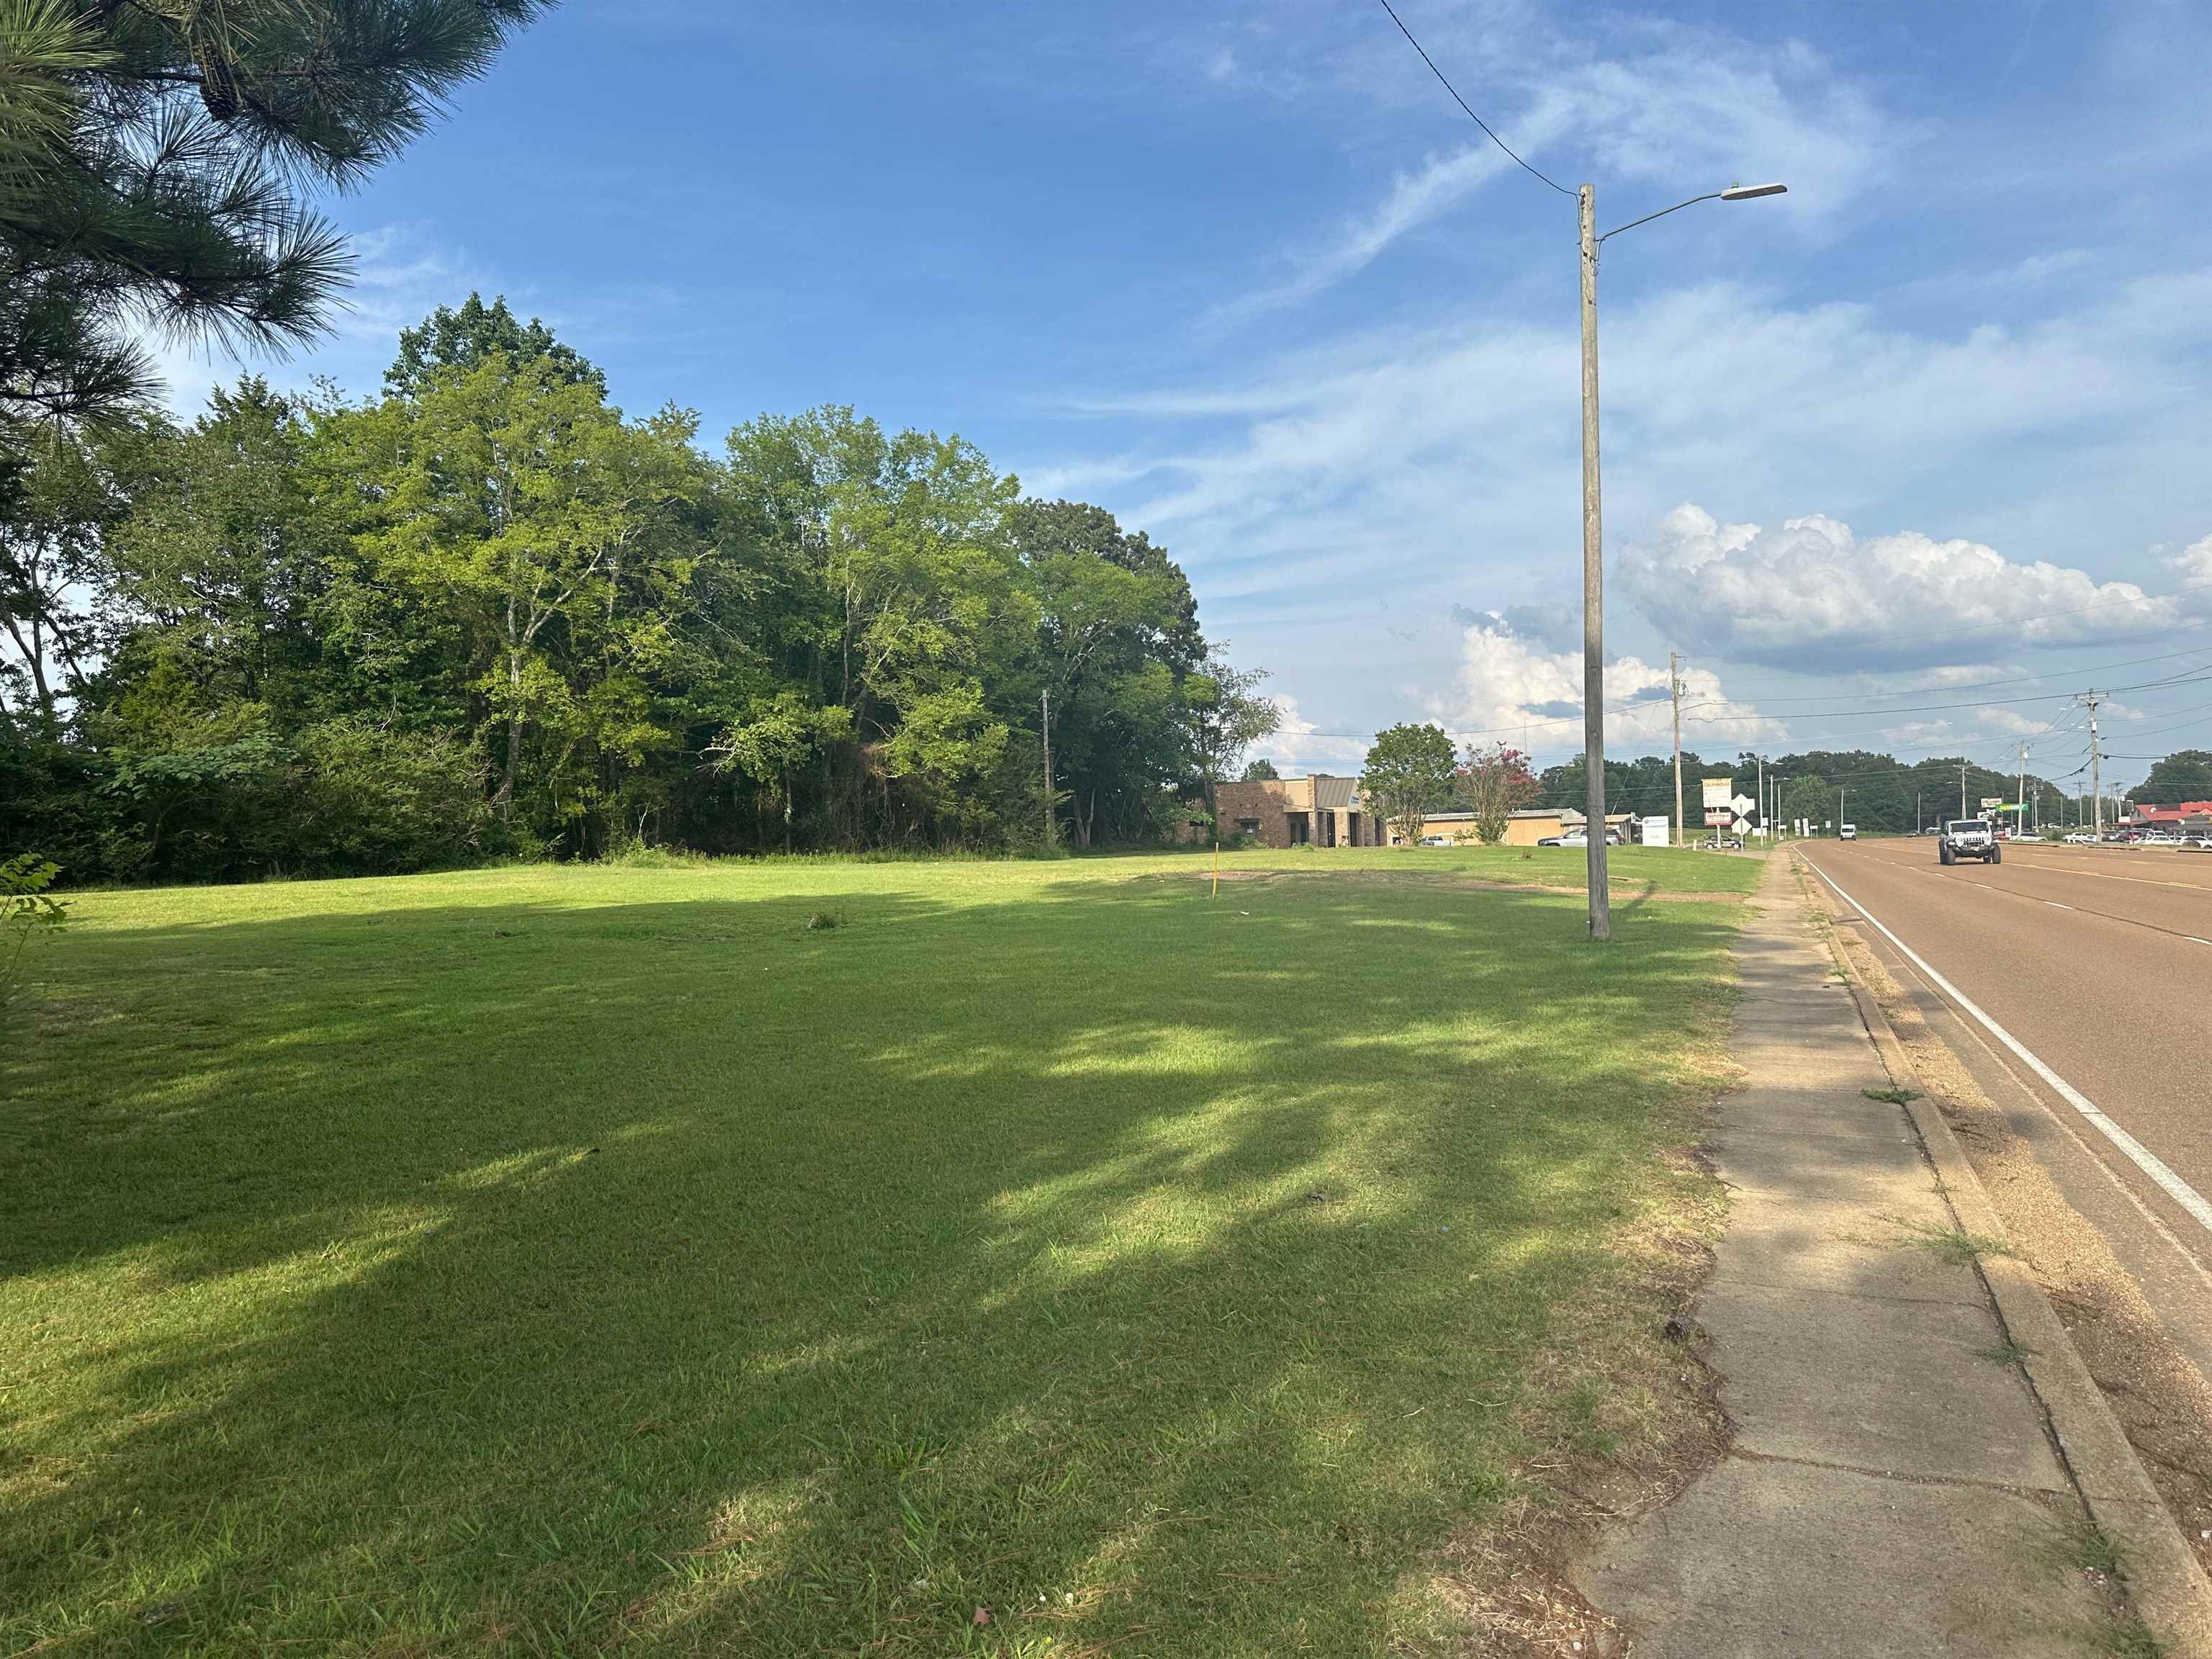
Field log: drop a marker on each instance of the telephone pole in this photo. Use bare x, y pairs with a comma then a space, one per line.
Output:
1763, 836
1600, 902
2020, 801
1051, 824
2096, 762
1675, 690
1962, 789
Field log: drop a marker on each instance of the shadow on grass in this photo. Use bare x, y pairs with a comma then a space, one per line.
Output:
1153, 1270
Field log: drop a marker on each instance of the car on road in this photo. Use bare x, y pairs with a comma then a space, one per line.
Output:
1847, 832
1969, 838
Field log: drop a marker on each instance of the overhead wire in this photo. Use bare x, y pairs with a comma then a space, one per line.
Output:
1463, 104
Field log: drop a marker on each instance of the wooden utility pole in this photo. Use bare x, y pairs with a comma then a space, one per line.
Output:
1051, 823
2096, 764
1600, 904
1675, 690
1764, 835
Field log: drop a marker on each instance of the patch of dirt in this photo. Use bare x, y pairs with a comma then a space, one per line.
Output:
1621, 896
2163, 1403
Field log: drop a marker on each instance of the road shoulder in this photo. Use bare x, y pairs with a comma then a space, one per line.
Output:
2136, 1474
1893, 1484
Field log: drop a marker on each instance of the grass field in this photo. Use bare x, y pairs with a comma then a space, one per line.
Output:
561, 1260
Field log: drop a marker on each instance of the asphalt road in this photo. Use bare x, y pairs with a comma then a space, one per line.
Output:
2099, 961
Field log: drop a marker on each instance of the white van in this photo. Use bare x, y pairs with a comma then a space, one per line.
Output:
1847, 832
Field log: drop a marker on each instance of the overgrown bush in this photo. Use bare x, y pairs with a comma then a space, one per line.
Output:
380, 801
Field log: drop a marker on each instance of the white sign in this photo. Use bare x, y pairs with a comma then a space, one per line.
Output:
1744, 805
1989, 801
1717, 791
1656, 832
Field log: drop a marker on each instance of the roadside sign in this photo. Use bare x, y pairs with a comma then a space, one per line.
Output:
1991, 801
1717, 791
1744, 805
1656, 832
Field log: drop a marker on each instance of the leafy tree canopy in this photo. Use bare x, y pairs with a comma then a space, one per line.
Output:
2184, 775
1409, 772
470, 335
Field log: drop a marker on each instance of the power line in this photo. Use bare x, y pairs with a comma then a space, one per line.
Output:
2193, 677
2075, 672
1462, 102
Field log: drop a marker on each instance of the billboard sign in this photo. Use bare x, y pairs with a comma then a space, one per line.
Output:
1717, 792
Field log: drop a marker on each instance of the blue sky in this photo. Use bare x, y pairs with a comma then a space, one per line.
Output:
1930, 425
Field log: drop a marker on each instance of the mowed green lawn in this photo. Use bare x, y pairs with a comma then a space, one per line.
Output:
563, 1259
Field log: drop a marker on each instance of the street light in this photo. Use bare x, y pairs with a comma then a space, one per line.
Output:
1600, 906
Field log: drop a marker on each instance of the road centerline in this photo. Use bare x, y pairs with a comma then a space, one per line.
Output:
2136, 1153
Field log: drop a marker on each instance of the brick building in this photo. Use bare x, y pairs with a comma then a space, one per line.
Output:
1319, 810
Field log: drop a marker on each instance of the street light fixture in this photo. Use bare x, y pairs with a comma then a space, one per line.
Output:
1600, 906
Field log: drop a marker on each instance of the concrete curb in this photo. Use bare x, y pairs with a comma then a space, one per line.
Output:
2170, 1590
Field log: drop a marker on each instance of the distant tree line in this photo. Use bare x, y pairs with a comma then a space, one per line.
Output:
1881, 793
488, 613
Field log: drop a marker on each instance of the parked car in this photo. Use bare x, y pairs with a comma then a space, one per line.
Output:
1847, 832
1436, 841
1572, 838
2081, 838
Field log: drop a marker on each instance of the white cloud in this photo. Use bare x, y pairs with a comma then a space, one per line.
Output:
1299, 747
1918, 734
1810, 594
1671, 103
1414, 198
1523, 690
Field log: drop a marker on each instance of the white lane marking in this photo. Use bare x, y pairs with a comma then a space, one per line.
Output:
2055, 905
2138, 1154
2193, 939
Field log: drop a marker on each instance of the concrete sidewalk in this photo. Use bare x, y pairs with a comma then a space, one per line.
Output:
1892, 1487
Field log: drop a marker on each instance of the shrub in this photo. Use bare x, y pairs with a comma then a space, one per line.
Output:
383, 800
26, 908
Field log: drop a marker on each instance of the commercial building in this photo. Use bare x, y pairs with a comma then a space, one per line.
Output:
1319, 811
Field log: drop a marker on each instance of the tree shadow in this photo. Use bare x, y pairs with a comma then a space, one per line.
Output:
1152, 1269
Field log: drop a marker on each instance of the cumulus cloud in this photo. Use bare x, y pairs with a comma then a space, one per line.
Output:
1299, 745
1812, 595
1524, 690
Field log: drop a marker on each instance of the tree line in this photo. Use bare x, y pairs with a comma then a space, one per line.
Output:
488, 613
1877, 792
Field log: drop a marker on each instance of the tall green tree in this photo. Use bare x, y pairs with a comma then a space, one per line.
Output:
469, 335
2184, 775
519, 501
1409, 774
